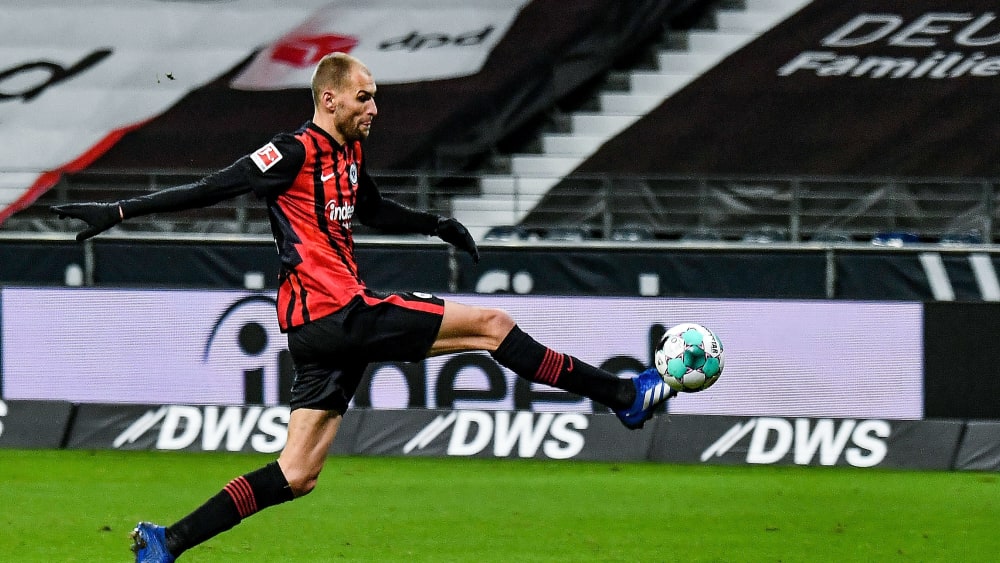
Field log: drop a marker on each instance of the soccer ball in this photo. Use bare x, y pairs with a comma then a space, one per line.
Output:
689, 358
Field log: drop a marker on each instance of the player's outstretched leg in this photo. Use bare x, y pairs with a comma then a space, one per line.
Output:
633, 399
149, 543
650, 391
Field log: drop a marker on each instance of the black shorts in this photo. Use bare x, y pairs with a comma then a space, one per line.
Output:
331, 354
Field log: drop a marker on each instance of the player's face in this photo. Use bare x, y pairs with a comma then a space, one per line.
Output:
356, 109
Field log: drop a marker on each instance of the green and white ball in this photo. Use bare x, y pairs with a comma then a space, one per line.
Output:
689, 358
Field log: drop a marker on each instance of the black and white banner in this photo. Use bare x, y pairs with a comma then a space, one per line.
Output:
501, 434
808, 441
690, 439
980, 450
33, 424
399, 41
926, 275
837, 89
196, 428
76, 77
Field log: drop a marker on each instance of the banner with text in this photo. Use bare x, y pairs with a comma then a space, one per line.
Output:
867, 442
784, 358
192, 428
399, 41
103, 68
691, 439
861, 88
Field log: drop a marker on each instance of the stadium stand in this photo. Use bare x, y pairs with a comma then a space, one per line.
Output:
674, 120
671, 65
777, 134
825, 157
438, 124
439, 127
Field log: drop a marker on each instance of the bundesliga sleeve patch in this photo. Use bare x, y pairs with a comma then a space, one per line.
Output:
266, 157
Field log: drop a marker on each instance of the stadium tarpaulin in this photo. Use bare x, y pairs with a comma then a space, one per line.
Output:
839, 88
101, 69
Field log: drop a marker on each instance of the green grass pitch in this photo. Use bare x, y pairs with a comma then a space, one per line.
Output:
80, 506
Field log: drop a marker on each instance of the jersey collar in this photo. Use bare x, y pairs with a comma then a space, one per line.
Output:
317, 129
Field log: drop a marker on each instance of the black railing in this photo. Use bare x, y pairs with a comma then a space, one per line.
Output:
707, 208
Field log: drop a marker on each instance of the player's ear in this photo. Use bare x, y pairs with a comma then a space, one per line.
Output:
329, 100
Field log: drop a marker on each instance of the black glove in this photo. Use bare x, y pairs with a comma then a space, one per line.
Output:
455, 234
100, 216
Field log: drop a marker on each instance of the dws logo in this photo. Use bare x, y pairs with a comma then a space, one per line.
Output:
264, 430
771, 439
556, 435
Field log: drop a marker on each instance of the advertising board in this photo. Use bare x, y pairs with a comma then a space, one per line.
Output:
783, 358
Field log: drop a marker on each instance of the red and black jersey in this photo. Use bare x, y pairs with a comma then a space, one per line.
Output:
311, 201
314, 187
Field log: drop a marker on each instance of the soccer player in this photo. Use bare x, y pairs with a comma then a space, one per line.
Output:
315, 184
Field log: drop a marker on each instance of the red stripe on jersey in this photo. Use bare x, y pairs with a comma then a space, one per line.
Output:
399, 301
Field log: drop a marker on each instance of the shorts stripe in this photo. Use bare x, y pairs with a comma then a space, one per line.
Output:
399, 301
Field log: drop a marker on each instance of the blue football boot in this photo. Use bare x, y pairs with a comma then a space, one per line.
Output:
650, 391
149, 543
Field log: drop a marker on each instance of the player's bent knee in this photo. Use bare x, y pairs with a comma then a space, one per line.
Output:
301, 482
498, 323
302, 487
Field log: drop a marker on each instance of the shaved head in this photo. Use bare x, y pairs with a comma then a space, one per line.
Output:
333, 72
343, 93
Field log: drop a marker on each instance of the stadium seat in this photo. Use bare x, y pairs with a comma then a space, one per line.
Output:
766, 235
567, 234
701, 234
972, 236
831, 237
632, 233
894, 238
503, 233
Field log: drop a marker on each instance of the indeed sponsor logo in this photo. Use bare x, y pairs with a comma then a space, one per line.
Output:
213, 428
943, 45
557, 436
860, 443
339, 212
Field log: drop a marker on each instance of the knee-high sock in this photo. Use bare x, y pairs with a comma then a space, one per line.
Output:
243, 496
535, 362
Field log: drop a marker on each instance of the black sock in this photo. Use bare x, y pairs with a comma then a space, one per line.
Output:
534, 362
242, 497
